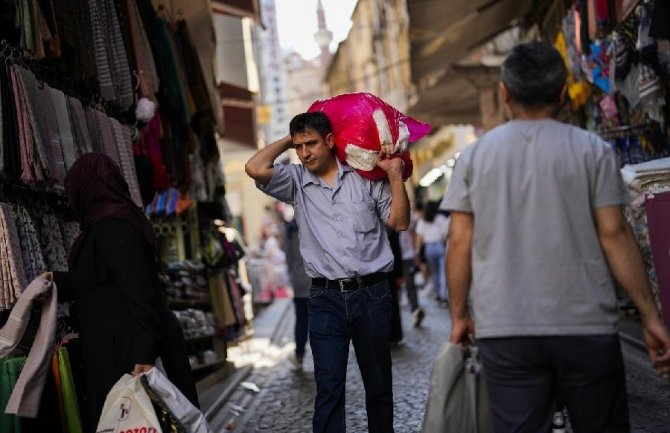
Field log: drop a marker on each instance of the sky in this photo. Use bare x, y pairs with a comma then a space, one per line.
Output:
297, 23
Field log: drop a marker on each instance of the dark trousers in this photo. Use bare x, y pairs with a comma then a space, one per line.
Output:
396, 324
526, 375
361, 317
300, 332
408, 271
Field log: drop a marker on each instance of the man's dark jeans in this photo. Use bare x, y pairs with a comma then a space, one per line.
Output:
335, 319
525, 376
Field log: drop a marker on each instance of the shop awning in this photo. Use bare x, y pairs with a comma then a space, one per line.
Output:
239, 114
455, 97
237, 8
443, 32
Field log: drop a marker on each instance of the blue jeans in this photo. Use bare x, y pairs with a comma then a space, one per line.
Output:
300, 331
435, 252
335, 319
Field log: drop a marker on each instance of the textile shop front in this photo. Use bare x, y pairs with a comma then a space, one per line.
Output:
618, 58
122, 78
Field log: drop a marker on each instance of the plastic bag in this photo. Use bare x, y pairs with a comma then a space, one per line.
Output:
458, 400
363, 125
184, 416
128, 409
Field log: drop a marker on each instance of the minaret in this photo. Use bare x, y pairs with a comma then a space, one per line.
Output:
323, 36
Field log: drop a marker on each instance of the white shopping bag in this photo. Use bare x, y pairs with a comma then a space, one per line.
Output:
128, 409
188, 416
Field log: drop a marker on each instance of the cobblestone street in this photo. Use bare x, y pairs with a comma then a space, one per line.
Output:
283, 402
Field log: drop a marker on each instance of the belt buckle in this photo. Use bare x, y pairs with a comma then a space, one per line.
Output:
343, 281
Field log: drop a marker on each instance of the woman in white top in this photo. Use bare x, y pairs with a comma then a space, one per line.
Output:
432, 231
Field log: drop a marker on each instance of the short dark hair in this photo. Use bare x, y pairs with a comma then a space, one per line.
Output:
431, 210
534, 74
316, 121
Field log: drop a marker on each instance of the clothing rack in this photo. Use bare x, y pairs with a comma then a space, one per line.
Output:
82, 90
12, 191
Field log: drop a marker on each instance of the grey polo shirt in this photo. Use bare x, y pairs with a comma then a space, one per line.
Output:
341, 230
537, 264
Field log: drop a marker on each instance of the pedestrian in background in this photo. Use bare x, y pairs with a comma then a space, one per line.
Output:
536, 227
300, 282
431, 231
410, 264
345, 247
395, 283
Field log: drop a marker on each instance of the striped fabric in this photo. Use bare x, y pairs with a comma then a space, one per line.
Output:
116, 53
125, 149
101, 60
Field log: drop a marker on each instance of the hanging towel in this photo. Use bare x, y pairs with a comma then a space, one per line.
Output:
25, 398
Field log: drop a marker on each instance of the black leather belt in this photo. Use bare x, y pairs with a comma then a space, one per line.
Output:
350, 284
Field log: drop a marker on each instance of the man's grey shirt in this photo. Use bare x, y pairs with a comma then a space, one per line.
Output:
341, 230
537, 264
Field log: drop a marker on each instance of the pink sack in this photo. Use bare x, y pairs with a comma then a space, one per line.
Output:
361, 123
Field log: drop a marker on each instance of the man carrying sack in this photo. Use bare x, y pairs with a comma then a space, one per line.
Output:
346, 251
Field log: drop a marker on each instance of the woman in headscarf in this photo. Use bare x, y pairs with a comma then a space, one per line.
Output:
123, 319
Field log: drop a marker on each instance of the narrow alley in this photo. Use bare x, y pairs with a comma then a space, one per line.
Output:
284, 400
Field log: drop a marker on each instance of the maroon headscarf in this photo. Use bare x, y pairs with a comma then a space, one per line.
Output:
97, 190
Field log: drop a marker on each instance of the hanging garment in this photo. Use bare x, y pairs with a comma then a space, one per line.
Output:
115, 50
11, 165
51, 239
53, 144
77, 50
124, 145
103, 69
171, 95
34, 125
109, 145
13, 274
28, 174
31, 251
25, 398
236, 295
81, 133
145, 67
221, 302
64, 127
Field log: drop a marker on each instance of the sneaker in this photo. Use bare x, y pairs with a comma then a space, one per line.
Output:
417, 317
296, 361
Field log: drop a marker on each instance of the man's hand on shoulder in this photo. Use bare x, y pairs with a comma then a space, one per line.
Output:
393, 166
259, 167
